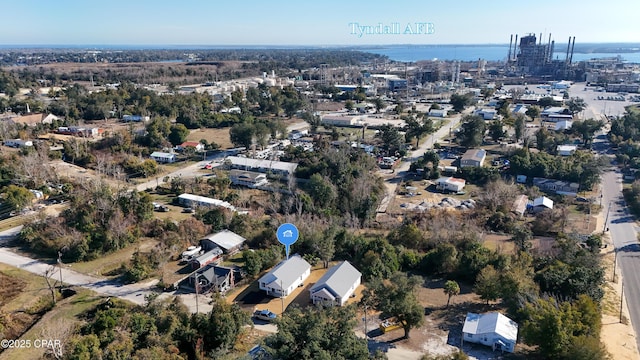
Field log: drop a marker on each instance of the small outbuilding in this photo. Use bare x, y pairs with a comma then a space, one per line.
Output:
491, 329
450, 184
566, 150
541, 203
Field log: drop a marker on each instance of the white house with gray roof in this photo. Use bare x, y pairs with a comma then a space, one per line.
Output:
336, 285
285, 277
491, 329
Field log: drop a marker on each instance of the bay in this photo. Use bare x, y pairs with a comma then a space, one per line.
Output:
411, 53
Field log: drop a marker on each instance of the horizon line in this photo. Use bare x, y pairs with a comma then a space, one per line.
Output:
222, 46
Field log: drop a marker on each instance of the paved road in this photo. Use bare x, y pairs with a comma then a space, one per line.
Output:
623, 231
134, 292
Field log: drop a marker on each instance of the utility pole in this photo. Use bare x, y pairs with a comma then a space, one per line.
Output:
621, 300
604, 227
615, 262
196, 285
281, 297
366, 336
60, 266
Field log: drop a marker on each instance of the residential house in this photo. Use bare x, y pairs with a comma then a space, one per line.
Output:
491, 329
487, 114
449, 183
438, 113
190, 200
554, 111
562, 125
212, 278
336, 285
541, 203
557, 186
163, 157
566, 150
196, 145
473, 157
227, 240
212, 256
554, 118
519, 109
285, 277
248, 178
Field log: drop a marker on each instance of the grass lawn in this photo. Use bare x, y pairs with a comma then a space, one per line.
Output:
633, 108
218, 136
106, 263
16, 221
23, 295
57, 324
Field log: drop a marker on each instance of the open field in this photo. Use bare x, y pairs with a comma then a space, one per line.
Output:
57, 324
23, 294
218, 136
109, 262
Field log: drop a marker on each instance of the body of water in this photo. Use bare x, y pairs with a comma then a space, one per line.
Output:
474, 52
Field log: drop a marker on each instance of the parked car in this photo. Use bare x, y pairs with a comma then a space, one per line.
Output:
265, 315
188, 210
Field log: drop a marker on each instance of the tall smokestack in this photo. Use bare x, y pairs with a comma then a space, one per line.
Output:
549, 53
566, 59
540, 41
515, 45
573, 45
510, 42
553, 44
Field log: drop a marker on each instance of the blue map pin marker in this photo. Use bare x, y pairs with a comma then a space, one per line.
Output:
287, 235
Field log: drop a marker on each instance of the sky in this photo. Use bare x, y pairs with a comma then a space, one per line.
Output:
312, 23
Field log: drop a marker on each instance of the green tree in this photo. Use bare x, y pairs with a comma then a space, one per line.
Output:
533, 112
472, 131
222, 326
348, 105
587, 129
451, 288
242, 135
17, 197
395, 297
316, 333
178, 134
321, 191
379, 104
488, 284
391, 138
459, 102
548, 101
519, 126
576, 104
496, 130
416, 130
